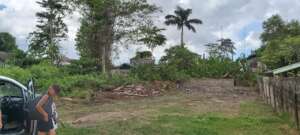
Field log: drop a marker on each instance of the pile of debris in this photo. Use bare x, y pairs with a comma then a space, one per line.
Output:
152, 89
136, 90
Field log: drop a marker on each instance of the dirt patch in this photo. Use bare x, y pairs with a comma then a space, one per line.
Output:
154, 98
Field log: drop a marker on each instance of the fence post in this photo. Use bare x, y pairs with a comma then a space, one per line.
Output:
296, 103
275, 93
281, 97
270, 94
296, 109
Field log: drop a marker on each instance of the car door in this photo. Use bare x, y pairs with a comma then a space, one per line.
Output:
12, 88
30, 96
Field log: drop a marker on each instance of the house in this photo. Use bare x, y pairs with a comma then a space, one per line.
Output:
142, 58
255, 64
65, 61
3, 57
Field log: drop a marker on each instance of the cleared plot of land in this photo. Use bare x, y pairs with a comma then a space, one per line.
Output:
196, 111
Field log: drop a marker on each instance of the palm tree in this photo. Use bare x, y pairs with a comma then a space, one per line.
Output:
181, 20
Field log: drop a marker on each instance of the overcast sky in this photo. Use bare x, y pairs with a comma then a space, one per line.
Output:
240, 20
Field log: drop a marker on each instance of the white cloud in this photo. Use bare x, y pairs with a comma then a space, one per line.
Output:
232, 15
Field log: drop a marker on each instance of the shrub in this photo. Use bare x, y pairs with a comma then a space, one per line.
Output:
181, 58
16, 73
82, 66
45, 71
172, 73
215, 68
181, 64
146, 72
72, 85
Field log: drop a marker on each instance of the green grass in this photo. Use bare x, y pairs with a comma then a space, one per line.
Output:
254, 118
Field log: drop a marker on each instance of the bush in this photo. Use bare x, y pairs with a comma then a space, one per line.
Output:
181, 58
160, 72
215, 68
17, 73
181, 64
172, 73
82, 66
146, 72
72, 85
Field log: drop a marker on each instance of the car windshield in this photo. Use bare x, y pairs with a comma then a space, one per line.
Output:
9, 89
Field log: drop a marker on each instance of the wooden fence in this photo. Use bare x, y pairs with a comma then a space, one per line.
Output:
282, 94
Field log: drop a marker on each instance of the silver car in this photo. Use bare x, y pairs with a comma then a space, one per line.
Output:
15, 98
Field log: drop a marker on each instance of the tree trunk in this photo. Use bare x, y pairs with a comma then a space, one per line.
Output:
104, 59
51, 46
182, 32
107, 40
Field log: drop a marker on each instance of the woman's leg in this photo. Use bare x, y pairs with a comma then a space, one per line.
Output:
52, 132
42, 133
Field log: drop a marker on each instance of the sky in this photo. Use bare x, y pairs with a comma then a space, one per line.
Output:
240, 20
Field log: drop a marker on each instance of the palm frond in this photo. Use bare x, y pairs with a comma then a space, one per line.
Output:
195, 21
183, 13
190, 27
170, 17
188, 12
171, 22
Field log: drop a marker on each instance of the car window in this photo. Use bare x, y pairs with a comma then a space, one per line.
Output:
9, 89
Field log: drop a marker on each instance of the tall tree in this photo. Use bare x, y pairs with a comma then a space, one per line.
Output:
224, 48
213, 50
181, 19
50, 30
227, 47
7, 42
106, 24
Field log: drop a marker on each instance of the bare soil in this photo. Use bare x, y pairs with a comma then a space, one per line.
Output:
203, 96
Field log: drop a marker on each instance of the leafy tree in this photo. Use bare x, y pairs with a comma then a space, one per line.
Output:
51, 29
181, 19
281, 44
287, 52
17, 57
274, 28
7, 42
108, 23
153, 38
21, 59
180, 57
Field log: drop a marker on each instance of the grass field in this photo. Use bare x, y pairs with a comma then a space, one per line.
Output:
176, 114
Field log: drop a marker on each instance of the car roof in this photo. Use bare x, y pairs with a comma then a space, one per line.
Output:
12, 81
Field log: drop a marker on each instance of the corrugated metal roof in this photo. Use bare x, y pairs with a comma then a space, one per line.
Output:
286, 68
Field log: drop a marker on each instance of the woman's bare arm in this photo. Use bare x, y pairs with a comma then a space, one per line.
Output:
40, 108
